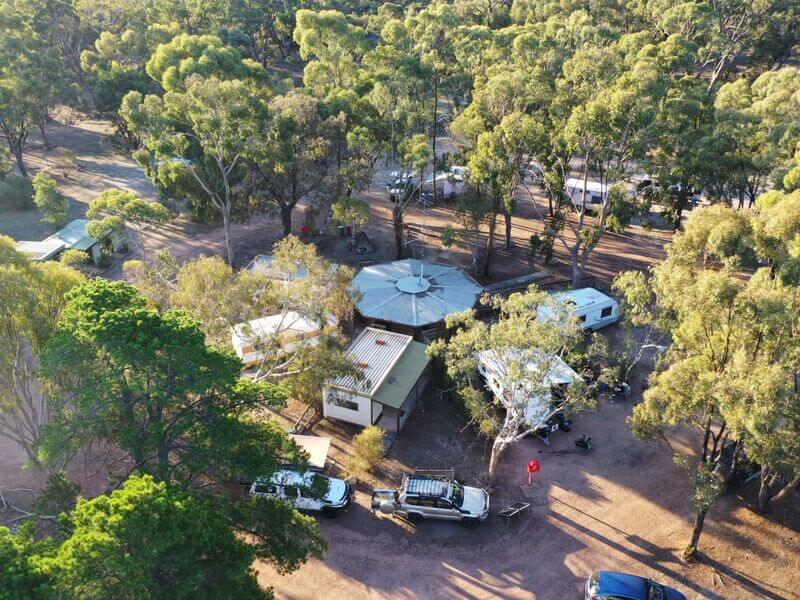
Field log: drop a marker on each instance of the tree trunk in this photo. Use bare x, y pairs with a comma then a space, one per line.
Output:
691, 547
487, 259
507, 217
286, 218
497, 449
763, 489
226, 227
45, 139
17, 151
397, 224
577, 269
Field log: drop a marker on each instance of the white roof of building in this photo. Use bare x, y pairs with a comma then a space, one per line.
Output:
40, 251
375, 352
591, 185
414, 293
244, 334
74, 235
582, 297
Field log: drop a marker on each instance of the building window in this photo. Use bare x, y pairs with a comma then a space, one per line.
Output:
345, 403
606, 312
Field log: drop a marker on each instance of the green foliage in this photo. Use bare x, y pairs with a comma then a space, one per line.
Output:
59, 496
50, 201
16, 193
367, 451
149, 540
21, 575
351, 210
119, 212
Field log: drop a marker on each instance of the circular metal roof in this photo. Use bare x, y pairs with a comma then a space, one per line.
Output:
414, 293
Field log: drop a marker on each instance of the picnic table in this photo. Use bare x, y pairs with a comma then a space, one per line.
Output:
513, 510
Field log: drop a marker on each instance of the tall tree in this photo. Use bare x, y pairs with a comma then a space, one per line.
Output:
205, 131
525, 349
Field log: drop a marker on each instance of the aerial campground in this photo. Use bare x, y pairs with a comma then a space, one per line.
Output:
399, 300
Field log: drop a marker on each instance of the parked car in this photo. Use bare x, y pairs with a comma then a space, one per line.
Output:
305, 491
609, 585
424, 496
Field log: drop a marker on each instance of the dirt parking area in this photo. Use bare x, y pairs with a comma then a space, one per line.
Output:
624, 506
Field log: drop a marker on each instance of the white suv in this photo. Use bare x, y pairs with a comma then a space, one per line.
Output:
432, 497
305, 491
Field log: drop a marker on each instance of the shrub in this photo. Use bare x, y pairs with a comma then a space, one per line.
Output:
16, 193
49, 199
76, 259
367, 451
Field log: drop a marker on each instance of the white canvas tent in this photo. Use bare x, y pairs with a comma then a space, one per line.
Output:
494, 366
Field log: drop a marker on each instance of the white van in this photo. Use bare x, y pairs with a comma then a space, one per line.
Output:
592, 307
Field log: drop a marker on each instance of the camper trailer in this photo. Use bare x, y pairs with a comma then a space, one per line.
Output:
594, 309
541, 404
596, 192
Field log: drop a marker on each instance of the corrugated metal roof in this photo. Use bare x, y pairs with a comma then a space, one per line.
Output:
40, 251
74, 235
405, 373
414, 293
375, 351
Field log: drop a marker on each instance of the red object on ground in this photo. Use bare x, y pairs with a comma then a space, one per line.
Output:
533, 466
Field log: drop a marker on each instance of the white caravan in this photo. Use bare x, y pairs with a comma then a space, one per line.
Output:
594, 309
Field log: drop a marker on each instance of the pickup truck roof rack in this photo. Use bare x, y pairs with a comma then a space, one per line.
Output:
439, 473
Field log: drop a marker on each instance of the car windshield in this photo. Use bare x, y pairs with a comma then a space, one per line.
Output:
458, 494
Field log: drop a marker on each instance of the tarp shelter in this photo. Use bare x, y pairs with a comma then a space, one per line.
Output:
316, 447
413, 293
40, 251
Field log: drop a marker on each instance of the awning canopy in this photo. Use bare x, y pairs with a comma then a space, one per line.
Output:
316, 448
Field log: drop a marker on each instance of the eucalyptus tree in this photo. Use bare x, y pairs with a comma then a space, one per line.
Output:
31, 79
205, 123
524, 350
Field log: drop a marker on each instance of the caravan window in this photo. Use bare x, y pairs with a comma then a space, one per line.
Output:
606, 312
582, 318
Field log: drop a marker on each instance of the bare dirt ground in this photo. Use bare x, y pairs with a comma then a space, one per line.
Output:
624, 506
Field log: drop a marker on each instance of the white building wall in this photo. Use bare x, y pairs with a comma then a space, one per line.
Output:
330, 409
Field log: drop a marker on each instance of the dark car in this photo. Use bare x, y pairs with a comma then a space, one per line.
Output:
608, 585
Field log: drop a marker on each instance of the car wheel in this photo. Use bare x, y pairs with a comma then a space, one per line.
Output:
414, 517
329, 513
469, 522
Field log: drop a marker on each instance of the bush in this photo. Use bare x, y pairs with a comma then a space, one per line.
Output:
76, 259
16, 193
367, 451
49, 199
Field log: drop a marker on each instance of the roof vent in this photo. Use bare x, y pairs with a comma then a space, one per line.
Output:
380, 342
362, 365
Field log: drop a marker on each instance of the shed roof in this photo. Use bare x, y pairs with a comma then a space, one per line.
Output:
375, 351
40, 251
244, 334
74, 235
401, 379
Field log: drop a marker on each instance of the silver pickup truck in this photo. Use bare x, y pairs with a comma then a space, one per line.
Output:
430, 496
